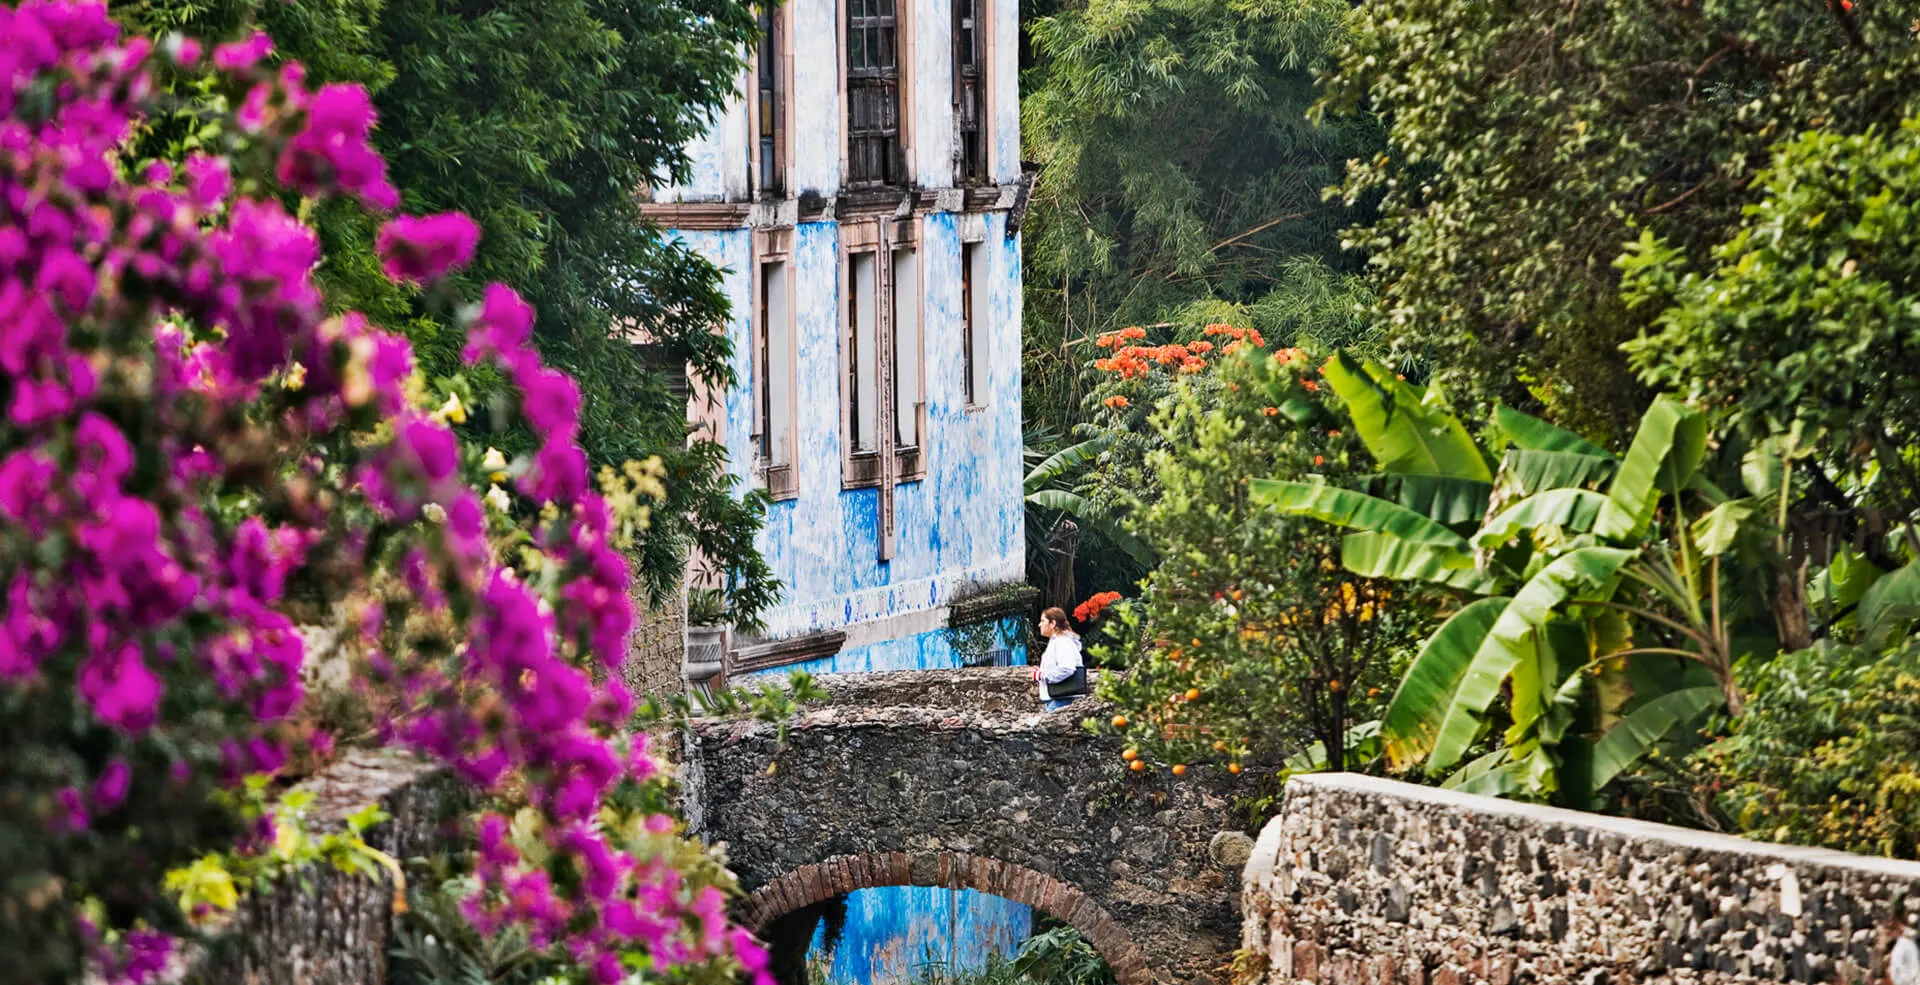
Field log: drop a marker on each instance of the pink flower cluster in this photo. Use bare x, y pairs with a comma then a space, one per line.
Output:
181, 410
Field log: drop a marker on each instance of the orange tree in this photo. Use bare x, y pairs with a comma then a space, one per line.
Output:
1248, 639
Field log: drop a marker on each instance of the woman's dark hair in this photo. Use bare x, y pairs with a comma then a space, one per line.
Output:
1057, 616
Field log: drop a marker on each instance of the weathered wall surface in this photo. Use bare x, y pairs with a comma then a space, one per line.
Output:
1028, 807
1360, 880
653, 653
959, 529
325, 927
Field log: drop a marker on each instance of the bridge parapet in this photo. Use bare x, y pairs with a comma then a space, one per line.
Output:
975, 788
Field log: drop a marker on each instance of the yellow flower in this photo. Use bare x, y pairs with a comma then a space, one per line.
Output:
496, 465
453, 410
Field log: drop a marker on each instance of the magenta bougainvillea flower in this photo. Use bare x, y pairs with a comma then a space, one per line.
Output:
196, 451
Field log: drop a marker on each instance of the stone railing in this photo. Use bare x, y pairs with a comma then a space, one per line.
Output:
323, 926
1361, 880
984, 689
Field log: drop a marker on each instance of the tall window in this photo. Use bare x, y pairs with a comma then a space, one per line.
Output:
969, 99
972, 366
873, 95
773, 124
773, 376
863, 383
906, 349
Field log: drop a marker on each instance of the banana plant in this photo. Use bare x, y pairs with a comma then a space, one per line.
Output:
1560, 542
1044, 490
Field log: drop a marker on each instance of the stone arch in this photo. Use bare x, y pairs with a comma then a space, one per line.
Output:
843, 874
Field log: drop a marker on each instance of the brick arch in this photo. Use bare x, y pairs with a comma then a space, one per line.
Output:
843, 874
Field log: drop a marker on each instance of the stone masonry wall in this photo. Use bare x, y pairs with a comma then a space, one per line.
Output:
1361, 880
322, 926
1027, 806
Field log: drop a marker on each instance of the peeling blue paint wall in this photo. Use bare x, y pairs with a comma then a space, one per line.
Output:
958, 528
900, 933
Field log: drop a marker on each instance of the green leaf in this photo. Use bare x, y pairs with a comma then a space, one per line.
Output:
1524, 472
1507, 643
1083, 509
1530, 433
1356, 510
1625, 743
1065, 462
1715, 532
1567, 509
1889, 608
1402, 432
1440, 498
1413, 718
1377, 555
1665, 452
1490, 775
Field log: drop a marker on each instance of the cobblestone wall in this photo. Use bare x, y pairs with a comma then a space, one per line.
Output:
1030, 807
1361, 881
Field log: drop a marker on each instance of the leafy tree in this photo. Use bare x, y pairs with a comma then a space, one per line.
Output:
1808, 317
1530, 141
1247, 640
542, 120
1177, 164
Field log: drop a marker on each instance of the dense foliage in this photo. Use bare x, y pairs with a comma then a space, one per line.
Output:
1828, 752
1179, 177
1247, 640
1805, 321
1530, 141
540, 120
198, 458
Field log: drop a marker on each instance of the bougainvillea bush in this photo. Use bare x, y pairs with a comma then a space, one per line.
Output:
197, 457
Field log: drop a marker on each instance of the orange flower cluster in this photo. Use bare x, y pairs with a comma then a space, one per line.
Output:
1116, 402
1237, 337
1092, 608
1111, 339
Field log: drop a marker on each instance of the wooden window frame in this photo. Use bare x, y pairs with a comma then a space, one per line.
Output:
780, 23
903, 49
976, 333
884, 467
912, 465
775, 245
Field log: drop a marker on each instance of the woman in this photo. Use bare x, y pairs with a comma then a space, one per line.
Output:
1062, 673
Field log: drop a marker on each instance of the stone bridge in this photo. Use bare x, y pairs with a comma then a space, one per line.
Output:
953, 778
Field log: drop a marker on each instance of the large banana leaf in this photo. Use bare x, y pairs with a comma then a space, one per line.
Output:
1065, 462
1531, 433
1355, 510
1525, 471
1080, 508
1413, 718
1507, 643
1665, 453
1378, 555
1714, 534
1625, 743
1403, 433
1889, 608
1445, 499
1568, 509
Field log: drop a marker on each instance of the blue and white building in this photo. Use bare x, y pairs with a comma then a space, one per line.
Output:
863, 196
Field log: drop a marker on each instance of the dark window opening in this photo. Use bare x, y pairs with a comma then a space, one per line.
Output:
773, 178
968, 386
969, 90
874, 155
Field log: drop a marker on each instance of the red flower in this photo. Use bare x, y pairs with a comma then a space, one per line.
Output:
1116, 401
1092, 608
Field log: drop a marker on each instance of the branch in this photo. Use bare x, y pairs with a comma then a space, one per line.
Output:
1263, 227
